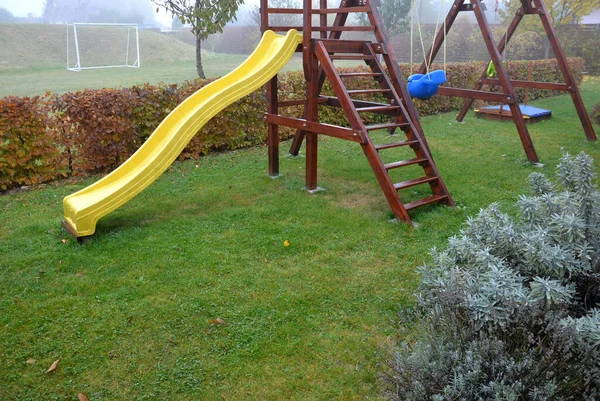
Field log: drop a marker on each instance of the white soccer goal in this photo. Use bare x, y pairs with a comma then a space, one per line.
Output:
91, 46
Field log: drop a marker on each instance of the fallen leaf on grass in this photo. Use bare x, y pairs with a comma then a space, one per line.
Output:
64, 240
30, 361
82, 397
53, 367
286, 243
217, 321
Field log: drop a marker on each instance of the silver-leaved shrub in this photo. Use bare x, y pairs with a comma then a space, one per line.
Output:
510, 310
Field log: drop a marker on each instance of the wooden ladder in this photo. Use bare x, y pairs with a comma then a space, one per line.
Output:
395, 108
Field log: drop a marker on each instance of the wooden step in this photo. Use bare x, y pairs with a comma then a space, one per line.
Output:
403, 163
360, 74
376, 127
368, 91
425, 201
377, 109
344, 28
350, 57
395, 145
412, 183
339, 10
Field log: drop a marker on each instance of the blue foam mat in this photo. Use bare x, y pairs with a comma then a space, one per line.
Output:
526, 110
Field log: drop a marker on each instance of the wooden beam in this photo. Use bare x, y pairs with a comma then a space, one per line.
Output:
474, 94
566, 71
512, 27
272, 129
264, 16
299, 102
528, 84
441, 34
322, 18
340, 20
345, 10
359, 104
311, 113
315, 127
505, 82
343, 46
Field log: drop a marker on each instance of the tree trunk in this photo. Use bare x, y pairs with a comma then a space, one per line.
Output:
546, 48
199, 67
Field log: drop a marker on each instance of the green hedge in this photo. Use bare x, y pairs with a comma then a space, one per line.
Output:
94, 131
596, 114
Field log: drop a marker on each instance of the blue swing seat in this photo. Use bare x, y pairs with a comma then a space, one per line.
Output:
424, 86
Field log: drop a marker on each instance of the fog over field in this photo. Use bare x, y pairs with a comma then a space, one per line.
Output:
140, 11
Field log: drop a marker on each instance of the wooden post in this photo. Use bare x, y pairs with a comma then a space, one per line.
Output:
312, 114
307, 40
507, 87
310, 65
264, 16
273, 129
323, 19
501, 48
529, 74
340, 20
566, 71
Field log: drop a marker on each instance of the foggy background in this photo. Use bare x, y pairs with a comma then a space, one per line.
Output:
139, 11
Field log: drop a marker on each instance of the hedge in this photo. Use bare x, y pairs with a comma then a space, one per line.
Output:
30, 147
93, 131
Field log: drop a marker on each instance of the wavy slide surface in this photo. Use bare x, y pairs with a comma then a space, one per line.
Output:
84, 208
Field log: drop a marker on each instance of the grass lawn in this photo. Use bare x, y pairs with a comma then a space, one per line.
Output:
38, 80
188, 292
35, 81
32, 67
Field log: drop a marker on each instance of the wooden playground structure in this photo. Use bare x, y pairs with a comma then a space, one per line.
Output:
322, 46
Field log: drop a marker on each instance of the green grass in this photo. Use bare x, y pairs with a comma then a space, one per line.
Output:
131, 314
33, 61
34, 82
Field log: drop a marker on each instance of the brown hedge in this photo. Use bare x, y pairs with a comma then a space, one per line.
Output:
30, 149
94, 131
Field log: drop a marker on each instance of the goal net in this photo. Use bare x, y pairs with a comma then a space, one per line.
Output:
92, 46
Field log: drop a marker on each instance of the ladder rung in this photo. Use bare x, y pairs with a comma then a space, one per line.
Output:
360, 74
367, 91
403, 163
347, 28
342, 10
386, 126
377, 109
394, 145
412, 183
425, 201
350, 57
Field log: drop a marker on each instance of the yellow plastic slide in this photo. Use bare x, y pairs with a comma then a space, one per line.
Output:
83, 209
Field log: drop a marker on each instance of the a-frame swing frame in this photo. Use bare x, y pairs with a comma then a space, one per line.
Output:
507, 94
